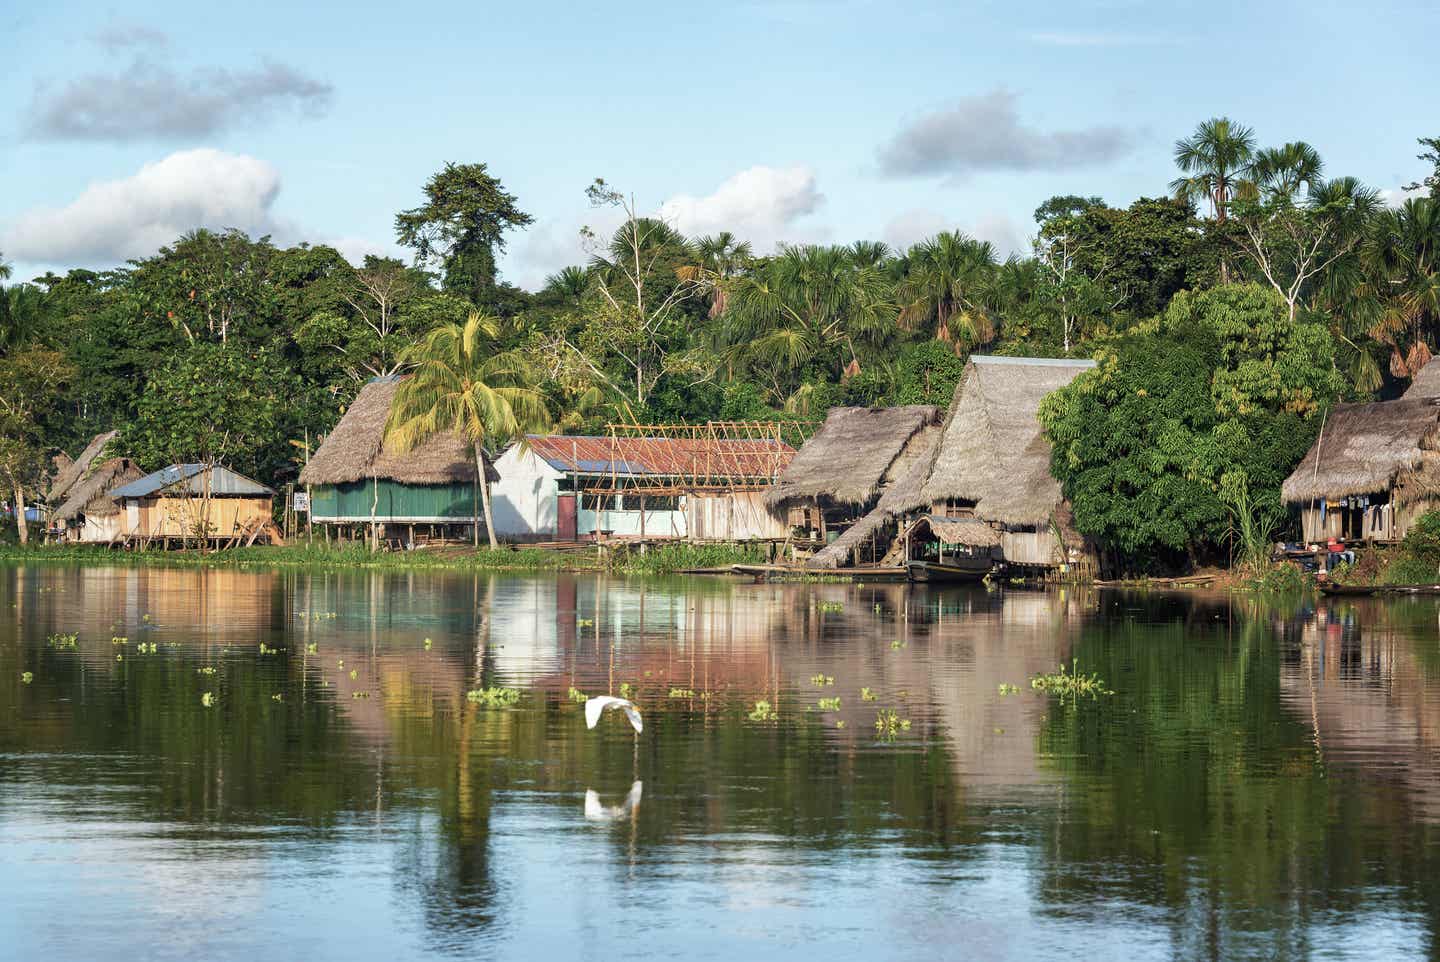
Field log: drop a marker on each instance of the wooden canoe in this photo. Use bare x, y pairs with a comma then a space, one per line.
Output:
930, 571
1329, 588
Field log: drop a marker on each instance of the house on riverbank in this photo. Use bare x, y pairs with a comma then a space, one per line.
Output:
993, 461
82, 511
831, 492
1373, 469
358, 487
193, 501
697, 488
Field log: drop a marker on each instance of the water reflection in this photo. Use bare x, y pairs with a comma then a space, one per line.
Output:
1262, 783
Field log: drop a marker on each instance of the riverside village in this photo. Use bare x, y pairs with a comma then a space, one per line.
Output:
579, 509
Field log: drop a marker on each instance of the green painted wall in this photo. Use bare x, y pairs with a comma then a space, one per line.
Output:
397, 502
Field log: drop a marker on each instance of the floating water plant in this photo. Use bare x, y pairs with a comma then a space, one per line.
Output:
428, 643
26, 677
146, 648
867, 695
119, 641
354, 673
1008, 689
829, 606
62, 642
359, 694
889, 723
627, 690
584, 623
681, 693
1070, 683
821, 680
840, 723
313, 648
207, 670
266, 649
830, 704
576, 695
493, 697
120, 656
762, 711
277, 697
896, 645
208, 699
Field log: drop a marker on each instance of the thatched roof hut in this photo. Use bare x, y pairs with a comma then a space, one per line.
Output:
847, 460
90, 496
354, 450
901, 484
73, 471
1426, 382
1368, 448
993, 450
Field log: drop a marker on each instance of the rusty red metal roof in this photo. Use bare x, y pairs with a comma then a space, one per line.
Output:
717, 458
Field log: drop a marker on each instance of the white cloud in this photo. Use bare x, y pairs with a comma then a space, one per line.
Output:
760, 204
1397, 196
112, 221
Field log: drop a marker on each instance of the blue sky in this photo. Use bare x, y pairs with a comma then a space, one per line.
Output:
796, 120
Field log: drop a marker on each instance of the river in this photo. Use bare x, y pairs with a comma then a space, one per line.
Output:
245, 763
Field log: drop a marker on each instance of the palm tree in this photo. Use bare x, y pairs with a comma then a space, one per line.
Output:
1216, 159
568, 285
1402, 257
718, 257
460, 382
866, 253
1280, 172
950, 283
804, 301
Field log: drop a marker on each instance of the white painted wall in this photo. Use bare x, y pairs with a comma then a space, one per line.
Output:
523, 500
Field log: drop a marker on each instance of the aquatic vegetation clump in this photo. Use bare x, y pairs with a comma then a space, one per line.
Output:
1070, 684
867, 694
830, 704
119, 641
763, 711
428, 644
682, 693
584, 623
63, 642
207, 670
26, 677
493, 697
627, 690
889, 723
576, 695
267, 650
1008, 689
208, 699
830, 606
896, 645
821, 680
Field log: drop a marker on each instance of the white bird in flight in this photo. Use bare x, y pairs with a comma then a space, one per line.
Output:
595, 812
594, 707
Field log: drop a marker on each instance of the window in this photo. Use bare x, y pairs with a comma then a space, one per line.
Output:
661, 502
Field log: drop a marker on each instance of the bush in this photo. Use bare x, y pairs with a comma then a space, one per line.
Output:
1422, 542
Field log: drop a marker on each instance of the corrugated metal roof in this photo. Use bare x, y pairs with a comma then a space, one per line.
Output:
669, 457
187, 479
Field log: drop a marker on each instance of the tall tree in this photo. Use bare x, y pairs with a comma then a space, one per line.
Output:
1402, 260
807, 305
461, 228
462, 382
1216, 162
1283, 172
948, 287
1430, 155
31, 383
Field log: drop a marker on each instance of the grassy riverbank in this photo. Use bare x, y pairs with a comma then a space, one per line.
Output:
656, 560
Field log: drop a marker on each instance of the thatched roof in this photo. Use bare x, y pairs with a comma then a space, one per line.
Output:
901, 487
1426, 382
354, 450
1363, 448
971, 532
77, 469
91, 495
847, 459
993, 451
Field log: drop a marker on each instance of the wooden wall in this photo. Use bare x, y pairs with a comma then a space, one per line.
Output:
732, 516
177, 517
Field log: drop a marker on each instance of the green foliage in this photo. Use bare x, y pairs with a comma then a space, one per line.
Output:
217, 404
1070, 683
1213, 404
461, 228
493, 697
1422, 541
